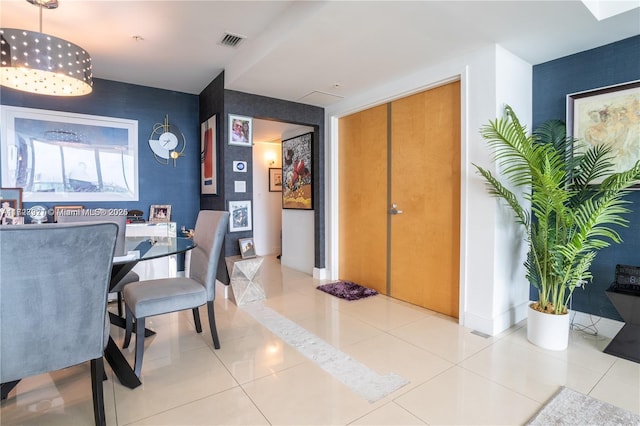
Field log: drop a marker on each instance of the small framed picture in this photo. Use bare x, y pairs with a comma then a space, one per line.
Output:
240, 130
247, 248
66, 211
160, 213
275, 180
10, 206
240, 216
8, 211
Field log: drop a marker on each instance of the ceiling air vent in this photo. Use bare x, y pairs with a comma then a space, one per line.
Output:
231, 40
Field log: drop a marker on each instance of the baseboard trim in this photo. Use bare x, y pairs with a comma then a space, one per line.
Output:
498, 323
320, 273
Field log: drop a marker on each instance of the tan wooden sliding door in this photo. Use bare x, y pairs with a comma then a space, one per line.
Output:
407, 154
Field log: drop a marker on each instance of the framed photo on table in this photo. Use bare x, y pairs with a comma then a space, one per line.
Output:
247, 248
160, 213
240, 130
607, 116
11, 206
66, 211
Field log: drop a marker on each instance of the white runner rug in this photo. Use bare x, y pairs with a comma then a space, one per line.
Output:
357, 376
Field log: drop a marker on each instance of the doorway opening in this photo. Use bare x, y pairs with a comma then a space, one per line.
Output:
270, 238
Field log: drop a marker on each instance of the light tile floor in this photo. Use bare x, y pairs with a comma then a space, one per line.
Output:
456, 377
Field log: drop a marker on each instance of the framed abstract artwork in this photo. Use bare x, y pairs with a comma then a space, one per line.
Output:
607, 116
297, 177
208, 148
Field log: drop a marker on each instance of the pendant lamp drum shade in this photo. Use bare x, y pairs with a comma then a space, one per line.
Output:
41, 63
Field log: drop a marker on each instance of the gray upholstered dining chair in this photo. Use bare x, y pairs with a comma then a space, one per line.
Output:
54, 280
161, 296
95, 215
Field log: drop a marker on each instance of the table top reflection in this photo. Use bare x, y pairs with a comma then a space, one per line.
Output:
146, 248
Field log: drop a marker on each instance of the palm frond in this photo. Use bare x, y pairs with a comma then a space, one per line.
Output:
570, 219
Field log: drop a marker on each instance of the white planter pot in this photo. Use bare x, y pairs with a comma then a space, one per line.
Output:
547, 330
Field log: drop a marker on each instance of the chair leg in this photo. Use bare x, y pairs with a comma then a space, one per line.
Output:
196, 319
120, 313
139, 345
97, 370
128, 328
7, 387
212, 325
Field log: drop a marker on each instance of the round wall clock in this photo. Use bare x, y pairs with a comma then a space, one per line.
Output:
167, 142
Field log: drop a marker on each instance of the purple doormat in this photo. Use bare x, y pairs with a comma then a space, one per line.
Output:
347, 290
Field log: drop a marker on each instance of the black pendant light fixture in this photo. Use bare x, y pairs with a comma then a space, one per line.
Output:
40, 63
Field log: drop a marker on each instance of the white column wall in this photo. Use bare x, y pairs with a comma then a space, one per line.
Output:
267, 206
511, 289
488, 263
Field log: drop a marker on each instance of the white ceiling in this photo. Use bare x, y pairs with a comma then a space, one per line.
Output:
315, 52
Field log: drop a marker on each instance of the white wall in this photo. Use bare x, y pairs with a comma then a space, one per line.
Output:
489, 77
297, 240
267, 206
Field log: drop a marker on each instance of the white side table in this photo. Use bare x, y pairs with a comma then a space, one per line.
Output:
244, 274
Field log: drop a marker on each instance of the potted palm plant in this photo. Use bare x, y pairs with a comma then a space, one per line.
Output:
565, 216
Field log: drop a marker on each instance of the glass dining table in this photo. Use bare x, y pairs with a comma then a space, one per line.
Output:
138, 249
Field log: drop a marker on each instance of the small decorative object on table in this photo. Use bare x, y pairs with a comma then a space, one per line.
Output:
189, 233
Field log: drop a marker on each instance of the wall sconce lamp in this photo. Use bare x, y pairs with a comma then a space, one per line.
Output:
270, 158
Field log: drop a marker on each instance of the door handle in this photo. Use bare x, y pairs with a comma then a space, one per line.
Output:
394, 209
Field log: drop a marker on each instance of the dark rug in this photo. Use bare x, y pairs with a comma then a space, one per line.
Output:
347, 290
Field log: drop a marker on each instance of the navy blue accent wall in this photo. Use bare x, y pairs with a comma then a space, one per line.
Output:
158, 184
604, 66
